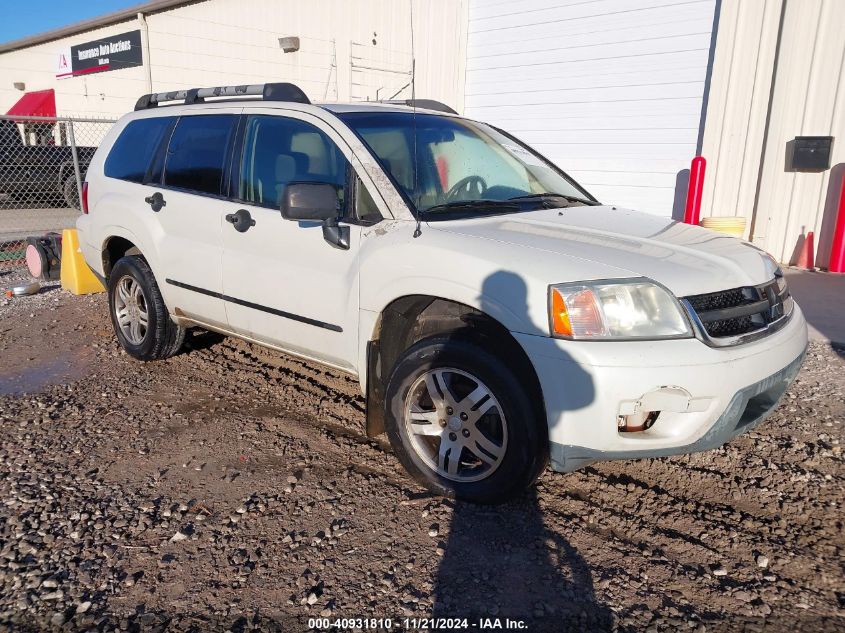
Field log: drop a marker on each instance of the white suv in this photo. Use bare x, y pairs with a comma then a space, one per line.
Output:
497, 316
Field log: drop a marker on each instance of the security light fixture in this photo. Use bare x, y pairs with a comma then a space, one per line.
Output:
289, 44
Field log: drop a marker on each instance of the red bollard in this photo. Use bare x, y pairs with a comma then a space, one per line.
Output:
692, 212
837, 249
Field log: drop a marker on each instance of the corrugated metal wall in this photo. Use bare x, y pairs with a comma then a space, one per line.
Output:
739, 99
611, 90
352, 50
748, 172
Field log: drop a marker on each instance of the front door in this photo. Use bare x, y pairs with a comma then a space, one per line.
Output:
282, 282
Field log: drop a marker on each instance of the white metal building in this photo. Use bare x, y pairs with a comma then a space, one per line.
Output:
353, 50
621, 93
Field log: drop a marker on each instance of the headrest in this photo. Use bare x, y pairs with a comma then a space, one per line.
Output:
285, 168
303, 163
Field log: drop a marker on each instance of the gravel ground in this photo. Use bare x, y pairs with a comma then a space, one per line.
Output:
232, 488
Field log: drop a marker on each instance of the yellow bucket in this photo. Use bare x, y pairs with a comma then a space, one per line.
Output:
731, 225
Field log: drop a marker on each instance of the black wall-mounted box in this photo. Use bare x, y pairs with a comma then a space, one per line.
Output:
811, 153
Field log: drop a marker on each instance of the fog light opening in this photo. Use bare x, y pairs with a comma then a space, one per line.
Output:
637, 422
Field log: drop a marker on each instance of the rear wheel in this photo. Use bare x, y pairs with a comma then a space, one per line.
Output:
141, 322
462, 423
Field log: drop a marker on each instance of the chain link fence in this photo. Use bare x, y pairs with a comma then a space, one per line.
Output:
43, 162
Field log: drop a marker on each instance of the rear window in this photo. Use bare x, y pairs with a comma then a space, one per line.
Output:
197, 153
133, 150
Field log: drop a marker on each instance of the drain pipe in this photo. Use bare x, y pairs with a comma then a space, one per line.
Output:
145, 30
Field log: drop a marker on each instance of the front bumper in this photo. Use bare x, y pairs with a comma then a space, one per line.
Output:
724, 392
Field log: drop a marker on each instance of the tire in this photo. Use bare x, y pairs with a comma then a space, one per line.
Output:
70, 193
160, 338
511, 429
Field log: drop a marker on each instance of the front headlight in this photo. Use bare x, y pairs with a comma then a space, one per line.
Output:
620, 309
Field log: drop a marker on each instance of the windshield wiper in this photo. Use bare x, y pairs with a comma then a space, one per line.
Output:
549, 194
472, 205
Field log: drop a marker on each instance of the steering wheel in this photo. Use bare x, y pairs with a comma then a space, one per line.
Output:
472, 186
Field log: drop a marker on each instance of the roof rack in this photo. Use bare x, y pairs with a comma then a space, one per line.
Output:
427, 104
267, 92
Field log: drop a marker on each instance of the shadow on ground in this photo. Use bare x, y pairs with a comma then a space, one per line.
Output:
822, 299
523, 570
197, 339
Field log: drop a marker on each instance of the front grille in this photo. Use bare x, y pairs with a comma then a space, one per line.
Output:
731, 327
737, 312
717, 300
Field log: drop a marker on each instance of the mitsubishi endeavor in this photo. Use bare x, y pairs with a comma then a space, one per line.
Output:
497, 316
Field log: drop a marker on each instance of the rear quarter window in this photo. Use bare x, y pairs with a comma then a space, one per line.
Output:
132, 152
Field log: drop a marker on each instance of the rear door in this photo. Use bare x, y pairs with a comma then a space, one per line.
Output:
188, 206
283, 283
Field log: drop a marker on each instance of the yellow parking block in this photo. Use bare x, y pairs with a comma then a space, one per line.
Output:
76, 276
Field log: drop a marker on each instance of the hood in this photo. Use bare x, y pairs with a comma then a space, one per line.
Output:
624, 243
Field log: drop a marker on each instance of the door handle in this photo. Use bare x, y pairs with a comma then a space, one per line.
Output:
241, 220
156, 201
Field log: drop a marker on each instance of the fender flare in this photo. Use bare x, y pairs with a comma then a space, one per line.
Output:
113, 231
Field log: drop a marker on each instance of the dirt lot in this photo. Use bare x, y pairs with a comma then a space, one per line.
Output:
231, 487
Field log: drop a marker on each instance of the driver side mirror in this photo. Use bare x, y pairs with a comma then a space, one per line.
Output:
314, 201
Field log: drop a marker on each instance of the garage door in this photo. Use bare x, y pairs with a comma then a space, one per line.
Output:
611, 90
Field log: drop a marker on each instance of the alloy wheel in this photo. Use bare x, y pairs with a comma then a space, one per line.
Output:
130, 310
455, 424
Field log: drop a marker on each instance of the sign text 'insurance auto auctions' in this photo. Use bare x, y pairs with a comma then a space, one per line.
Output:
112, 52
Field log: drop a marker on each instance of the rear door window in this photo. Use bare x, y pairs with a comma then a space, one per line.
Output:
132, 152
196, 156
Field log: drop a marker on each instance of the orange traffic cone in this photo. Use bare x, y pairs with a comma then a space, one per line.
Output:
805, 257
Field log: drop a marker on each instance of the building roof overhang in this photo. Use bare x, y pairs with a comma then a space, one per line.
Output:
124, 15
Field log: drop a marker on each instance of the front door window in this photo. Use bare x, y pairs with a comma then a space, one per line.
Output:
279, 151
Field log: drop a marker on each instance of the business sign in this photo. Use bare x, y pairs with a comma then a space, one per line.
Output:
64, 69
112, 52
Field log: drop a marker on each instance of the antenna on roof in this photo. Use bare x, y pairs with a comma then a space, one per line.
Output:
417, 231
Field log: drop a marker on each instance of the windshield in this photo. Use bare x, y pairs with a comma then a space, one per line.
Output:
462, 167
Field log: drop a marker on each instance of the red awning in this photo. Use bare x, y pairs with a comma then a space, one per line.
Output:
39, 103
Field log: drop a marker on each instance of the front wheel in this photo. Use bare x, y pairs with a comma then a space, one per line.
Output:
141, 322
462, 423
